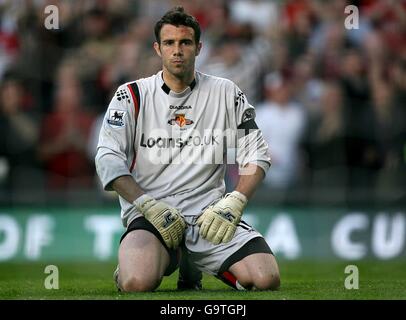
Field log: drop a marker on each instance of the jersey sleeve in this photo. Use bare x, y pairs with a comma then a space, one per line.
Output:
251, 146
115, 150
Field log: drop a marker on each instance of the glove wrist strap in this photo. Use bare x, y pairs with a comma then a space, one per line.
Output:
141, 199
240, 196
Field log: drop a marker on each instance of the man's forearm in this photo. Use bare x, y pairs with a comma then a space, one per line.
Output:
248, 183
126, 187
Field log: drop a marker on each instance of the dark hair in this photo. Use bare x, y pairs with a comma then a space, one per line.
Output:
177, 17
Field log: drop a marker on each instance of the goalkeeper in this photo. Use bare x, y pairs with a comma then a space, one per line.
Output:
162, 148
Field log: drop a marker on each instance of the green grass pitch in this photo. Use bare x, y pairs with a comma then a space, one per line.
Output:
300, 280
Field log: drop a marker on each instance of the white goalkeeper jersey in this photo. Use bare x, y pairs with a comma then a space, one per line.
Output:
177, 145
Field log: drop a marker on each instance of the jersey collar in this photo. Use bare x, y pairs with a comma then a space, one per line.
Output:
168, 91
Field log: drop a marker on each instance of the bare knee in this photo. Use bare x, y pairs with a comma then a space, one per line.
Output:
142, 261
259, 271
138, 284
268, 281
259, 280
267, 278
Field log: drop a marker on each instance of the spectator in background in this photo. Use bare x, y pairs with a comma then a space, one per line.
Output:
282, 122
390, 128
325, 145
132, 56
297, 25
260, 14
18, 137
362, 152
97, 50
64, 136
307, 88
9, 43
388, 20
398, 81
241, 56
329, 43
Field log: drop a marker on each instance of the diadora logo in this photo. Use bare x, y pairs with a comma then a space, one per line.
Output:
172, 107
180, 120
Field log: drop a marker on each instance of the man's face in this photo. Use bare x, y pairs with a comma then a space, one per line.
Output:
178, 50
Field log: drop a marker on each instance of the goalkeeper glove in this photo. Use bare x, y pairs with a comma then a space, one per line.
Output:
167, 220
218, 222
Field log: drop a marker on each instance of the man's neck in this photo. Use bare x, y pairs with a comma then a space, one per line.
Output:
177, 84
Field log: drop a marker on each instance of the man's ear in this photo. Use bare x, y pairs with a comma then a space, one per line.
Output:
157, 48
199, 47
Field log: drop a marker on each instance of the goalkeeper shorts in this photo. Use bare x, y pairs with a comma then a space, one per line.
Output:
141, 223
214, 259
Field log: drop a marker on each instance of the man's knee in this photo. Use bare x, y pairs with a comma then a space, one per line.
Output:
142, 260
267, 278
138, 284
259, 280
259, 271
266, 281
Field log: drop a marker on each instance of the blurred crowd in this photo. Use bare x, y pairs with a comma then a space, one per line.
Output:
331, 101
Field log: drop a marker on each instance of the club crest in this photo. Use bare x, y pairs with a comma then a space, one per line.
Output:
180, 120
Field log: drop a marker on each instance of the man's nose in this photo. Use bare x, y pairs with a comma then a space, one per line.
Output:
177, 49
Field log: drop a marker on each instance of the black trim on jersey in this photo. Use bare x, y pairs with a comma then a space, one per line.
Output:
192, 85
135, 94
244, 225
247, 126
250, 124
136, 91
166, 89
255, 245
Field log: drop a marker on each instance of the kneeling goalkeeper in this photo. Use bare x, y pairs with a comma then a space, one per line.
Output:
157, 138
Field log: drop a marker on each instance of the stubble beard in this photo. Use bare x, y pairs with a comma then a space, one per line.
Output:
181, 72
